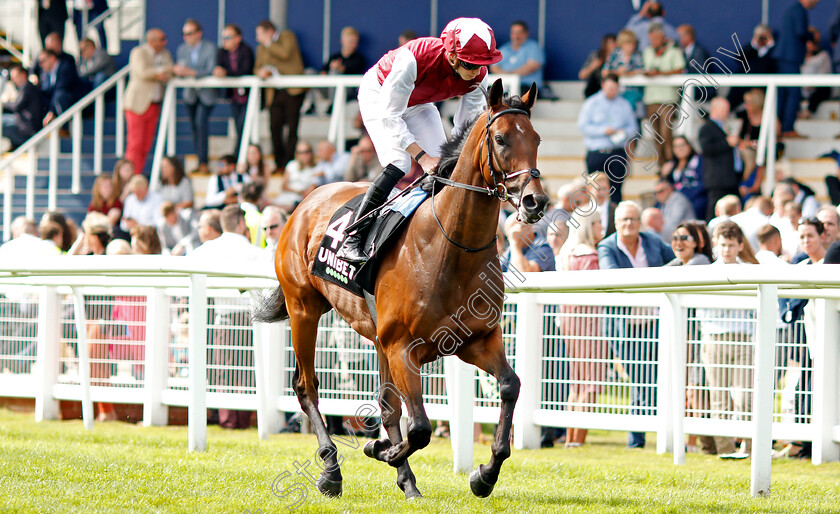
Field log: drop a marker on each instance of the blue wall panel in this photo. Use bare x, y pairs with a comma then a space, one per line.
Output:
306, 19
169, 16
379, 22
246, 14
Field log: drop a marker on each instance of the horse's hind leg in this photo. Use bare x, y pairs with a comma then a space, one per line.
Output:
391, 408
304, 327
489, 355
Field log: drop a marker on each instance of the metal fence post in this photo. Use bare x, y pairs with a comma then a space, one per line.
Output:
677, 365
528, 364
49, 316
269, 375
667, 338
765, 342
460, 385
825, 383
157, 357
84, 359
197, 414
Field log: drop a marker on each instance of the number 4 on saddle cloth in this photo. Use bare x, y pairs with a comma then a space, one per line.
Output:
384, 230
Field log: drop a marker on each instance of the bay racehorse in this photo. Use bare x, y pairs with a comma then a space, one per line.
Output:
431, 291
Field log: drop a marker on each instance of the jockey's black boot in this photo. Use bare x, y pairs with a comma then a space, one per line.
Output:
351, 251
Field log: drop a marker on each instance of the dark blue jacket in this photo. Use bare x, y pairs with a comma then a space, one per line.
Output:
610, 257
793, 35
27, 110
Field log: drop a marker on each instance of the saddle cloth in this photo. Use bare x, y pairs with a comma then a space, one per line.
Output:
384, 229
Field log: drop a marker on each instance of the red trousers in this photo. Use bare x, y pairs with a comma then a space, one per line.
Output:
140, 132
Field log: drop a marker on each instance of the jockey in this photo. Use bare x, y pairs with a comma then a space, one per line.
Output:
396, 100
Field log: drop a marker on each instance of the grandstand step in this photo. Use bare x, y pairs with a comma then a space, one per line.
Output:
64, 182
810, 148
563, 109
65, 200
555, 128
818, 129
567, 89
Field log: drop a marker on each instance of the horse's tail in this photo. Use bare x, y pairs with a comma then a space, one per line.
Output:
271, 308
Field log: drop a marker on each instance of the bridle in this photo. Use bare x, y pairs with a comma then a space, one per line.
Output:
498, 189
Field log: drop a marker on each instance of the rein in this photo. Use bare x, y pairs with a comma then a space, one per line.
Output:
498, 190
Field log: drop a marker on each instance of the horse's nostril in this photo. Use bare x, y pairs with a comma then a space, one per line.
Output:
529, 202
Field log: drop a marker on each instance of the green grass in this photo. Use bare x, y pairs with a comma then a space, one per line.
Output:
59, 467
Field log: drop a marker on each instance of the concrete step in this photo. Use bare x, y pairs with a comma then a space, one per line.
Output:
810, 148
567, 89
818, 128
555, 128
562, 109
64, 182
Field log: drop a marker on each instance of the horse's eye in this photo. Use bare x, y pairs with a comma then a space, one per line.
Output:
500, 140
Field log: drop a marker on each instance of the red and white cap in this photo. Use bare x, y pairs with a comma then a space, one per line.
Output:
471, 40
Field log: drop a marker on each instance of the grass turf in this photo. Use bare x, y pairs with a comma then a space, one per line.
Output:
57, 466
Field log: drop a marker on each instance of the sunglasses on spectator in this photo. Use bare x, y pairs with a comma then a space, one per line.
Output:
227, 38
303, 151
271, 227
190, 33
469, 66
681, 237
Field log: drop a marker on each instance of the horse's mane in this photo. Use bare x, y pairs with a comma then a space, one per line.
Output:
451, 150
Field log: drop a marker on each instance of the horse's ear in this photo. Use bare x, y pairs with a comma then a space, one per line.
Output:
530, 96
496, 94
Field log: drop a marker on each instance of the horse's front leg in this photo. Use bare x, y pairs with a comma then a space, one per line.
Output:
489, 355
390, 404
408, 381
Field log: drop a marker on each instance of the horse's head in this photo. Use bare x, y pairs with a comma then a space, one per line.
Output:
510, 161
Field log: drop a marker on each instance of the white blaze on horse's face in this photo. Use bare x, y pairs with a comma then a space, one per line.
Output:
519, 128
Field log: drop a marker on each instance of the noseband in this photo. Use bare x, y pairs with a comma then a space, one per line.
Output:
498, 190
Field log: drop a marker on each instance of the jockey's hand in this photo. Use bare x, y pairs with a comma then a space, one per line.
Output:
429, 164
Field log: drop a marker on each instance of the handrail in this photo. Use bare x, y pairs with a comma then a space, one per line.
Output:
336, 135
51, 131
64, 118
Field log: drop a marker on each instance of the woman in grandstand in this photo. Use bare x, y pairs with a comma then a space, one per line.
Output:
174, 185
396, 99
105, 199
123, 171
625, 61
685, 172
254, 164
591, 70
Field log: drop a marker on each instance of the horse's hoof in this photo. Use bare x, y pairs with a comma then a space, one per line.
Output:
410, 490
329, 487
412, 494
373, 448
478, 486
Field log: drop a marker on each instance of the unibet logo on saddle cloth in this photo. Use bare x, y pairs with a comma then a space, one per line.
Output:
350, 276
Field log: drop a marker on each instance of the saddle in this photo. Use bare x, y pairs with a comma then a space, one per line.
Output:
384, 230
